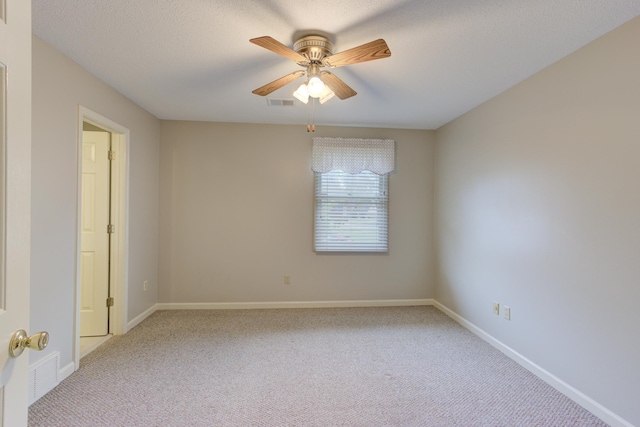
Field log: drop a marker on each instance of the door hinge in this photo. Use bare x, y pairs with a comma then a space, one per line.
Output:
111, 228
112, 155
110, 302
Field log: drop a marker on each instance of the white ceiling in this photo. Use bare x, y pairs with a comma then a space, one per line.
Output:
192, 60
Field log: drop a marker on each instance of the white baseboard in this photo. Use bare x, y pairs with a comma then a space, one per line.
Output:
577, 396
292, 304
138, 319
66, 371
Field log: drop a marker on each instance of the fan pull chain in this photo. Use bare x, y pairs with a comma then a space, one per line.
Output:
311, 124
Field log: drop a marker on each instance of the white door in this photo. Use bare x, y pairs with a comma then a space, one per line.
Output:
94, 259
15, 202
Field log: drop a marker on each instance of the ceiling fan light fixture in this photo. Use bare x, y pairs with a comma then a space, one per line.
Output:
302, 94
326, 95
315, 87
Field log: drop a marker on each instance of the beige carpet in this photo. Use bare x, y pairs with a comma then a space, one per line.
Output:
399, 366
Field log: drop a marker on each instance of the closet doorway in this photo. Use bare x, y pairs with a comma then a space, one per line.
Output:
95, 223
101, 244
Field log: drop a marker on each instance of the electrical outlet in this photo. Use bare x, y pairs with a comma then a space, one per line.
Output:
496, 308
145, 285
507, 312
287, 280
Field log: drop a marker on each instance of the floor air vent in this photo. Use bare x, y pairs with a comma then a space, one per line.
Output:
43, 377
279, 102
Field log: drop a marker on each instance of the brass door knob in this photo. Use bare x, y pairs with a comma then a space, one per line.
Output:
20, 341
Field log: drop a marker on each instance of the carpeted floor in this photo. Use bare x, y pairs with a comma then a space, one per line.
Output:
394, 366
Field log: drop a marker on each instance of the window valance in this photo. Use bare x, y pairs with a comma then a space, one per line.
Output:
353, 155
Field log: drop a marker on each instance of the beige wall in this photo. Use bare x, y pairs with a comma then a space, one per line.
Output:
237, 215
59, 86
539, 208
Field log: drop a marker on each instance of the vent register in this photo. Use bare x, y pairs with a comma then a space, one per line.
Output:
280, 102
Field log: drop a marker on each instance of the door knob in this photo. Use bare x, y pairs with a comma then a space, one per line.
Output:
20, 341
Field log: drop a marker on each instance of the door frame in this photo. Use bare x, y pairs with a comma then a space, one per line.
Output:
119, 265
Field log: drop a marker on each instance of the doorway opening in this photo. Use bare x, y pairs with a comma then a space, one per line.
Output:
101, 245
95, 238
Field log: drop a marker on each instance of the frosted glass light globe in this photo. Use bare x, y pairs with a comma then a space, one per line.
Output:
315, 87
302, 93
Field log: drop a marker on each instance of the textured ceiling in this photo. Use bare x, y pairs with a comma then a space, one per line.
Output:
192, 60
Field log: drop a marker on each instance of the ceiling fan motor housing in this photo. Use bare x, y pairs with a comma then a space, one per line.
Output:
314, 47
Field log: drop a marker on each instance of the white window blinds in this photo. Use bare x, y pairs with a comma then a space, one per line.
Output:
351, 201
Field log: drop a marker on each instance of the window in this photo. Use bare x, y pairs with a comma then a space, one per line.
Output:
351, 194
351, 212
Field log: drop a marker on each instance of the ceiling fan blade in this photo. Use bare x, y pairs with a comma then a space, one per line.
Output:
275, 46
376, 49
338, 87
277, 84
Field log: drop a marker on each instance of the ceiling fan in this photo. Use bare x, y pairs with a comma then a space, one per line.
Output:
313, 53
